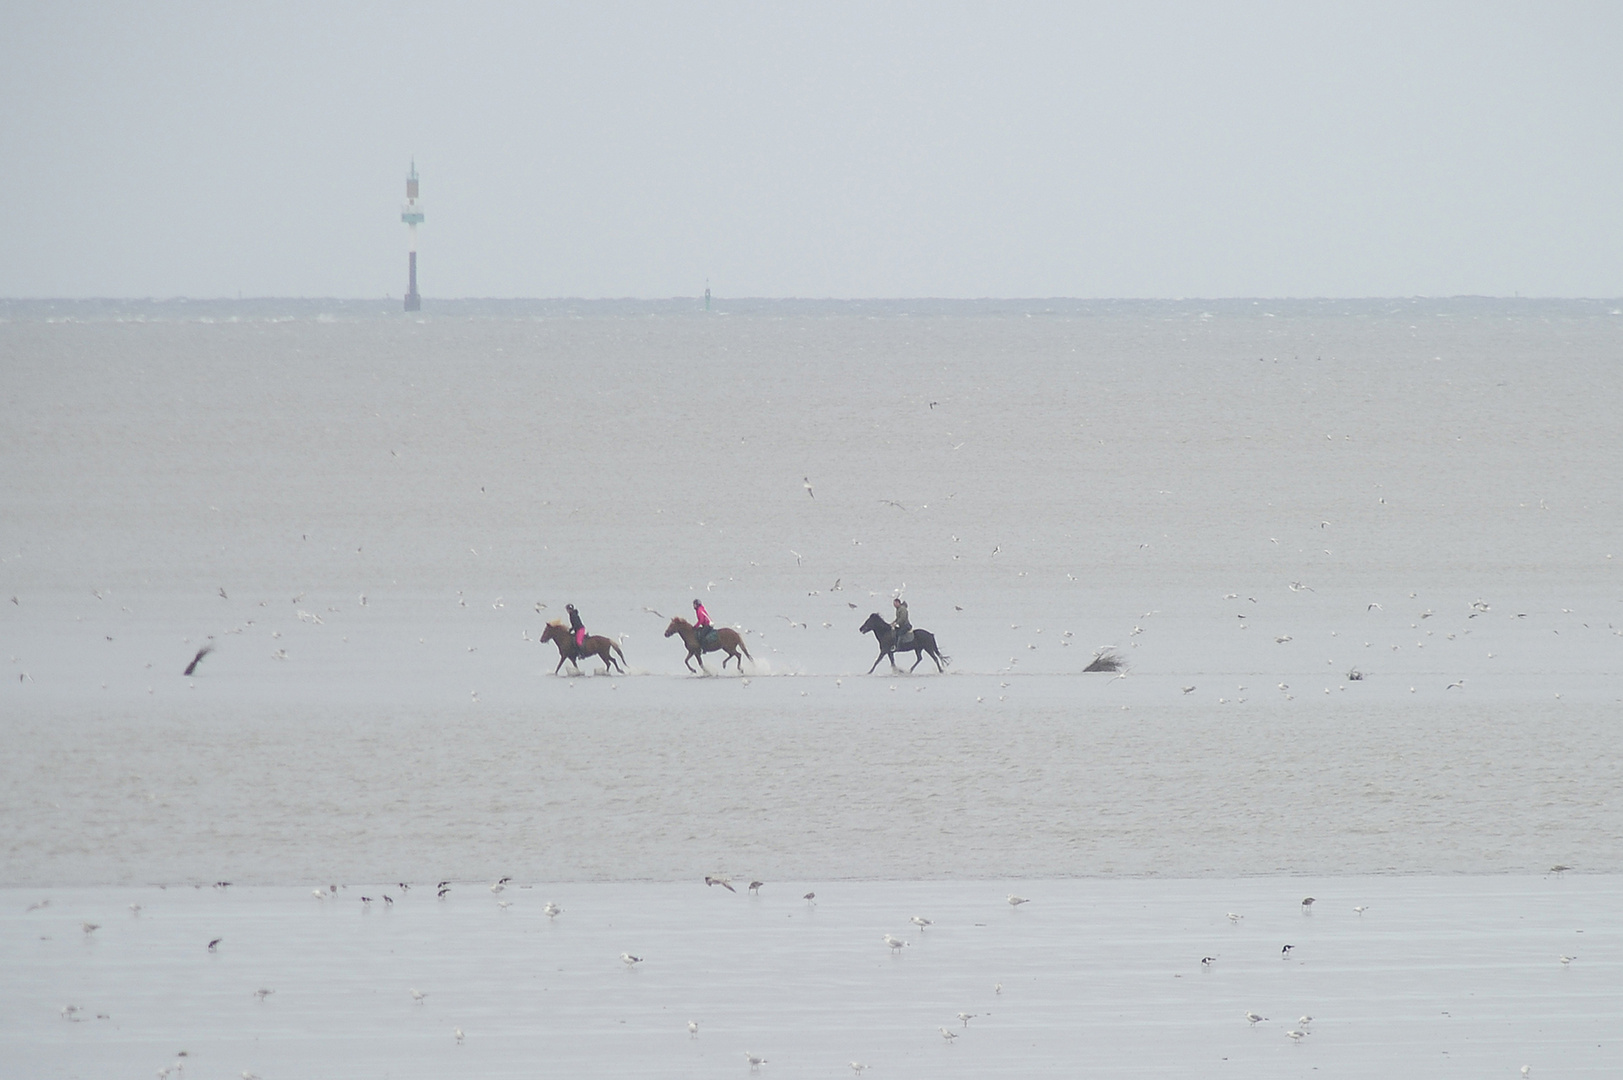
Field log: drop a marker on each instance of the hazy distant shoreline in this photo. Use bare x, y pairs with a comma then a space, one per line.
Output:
278, 308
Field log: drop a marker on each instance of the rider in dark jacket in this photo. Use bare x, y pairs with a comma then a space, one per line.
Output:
576, 625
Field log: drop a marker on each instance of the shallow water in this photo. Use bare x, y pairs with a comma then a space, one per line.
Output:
371, 519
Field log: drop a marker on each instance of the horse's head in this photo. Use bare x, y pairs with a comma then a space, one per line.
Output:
677, 626
874, 625
553, 632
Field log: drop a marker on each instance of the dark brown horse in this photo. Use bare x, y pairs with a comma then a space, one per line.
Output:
726, 639
560, 635
885, 634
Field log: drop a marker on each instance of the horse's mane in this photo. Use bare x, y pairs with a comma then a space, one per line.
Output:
555, 622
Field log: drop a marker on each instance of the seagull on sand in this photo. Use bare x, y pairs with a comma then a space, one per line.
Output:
948, 1034
1307, 902
628, 960
967, 1017
857, 1067
417, 995
894, 942
921, 922
755, 887
91, 928
693, 1029
1255, 1018
1295, 1036
552, 910
1016, 901
755, 1062
810, 897
458, 1033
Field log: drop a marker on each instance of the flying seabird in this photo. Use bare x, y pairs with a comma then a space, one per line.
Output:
215, 942
725, 883
806, 480
204, 651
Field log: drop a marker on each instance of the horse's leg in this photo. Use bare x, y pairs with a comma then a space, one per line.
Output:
876, 660
917, 657
561, 659
936, 656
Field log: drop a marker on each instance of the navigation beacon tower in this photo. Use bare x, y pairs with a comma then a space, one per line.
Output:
412, 215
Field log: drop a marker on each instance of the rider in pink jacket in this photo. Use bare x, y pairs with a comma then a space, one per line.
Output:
701, 621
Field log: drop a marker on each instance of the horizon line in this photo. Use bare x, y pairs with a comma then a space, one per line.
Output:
699, 298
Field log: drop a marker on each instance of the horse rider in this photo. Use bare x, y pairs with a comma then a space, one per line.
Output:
901, 623
578, 627
701, 623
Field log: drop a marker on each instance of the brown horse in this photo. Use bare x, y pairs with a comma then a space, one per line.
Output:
726, 639
885, 634
560, 635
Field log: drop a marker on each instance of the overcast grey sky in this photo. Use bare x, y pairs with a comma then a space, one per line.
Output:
875, 149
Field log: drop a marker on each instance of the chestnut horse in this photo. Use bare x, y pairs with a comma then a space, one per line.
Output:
726, 639
885, 634
561, 636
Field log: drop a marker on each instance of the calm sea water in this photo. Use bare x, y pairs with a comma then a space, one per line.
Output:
371, 518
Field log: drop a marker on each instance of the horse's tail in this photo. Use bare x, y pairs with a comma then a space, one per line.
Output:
745, 649
615, 645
